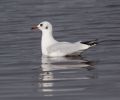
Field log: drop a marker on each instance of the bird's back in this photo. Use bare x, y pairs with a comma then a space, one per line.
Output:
66, 48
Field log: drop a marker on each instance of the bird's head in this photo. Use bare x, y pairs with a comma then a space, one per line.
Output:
44, 26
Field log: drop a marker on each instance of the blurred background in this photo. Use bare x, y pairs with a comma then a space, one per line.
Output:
26, 75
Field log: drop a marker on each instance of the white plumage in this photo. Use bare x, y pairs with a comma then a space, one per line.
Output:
52, 48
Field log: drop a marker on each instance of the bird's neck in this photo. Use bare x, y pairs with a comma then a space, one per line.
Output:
46, 41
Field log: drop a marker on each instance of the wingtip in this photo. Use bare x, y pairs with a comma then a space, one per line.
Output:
91, 43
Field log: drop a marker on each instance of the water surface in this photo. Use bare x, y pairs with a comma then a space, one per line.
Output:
26, 75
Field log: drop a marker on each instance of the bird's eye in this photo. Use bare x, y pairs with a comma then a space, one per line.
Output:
46, 27
41, 25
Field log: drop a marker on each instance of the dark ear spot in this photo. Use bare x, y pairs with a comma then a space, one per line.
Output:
46, 27
41, 25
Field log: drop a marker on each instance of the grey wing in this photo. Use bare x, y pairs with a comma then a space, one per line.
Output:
67, 48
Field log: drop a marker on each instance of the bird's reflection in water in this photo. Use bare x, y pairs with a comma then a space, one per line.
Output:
59, 74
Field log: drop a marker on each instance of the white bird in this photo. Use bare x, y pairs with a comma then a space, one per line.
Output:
53, 48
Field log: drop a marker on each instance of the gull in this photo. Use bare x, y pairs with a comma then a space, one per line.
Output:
53, 48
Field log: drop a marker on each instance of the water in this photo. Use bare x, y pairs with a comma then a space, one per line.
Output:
94, 76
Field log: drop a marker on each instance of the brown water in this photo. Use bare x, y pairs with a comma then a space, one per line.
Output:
94, 76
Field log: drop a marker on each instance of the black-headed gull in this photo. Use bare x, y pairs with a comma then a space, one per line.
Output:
53, 48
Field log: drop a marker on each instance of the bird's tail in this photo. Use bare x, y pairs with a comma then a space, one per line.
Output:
91, 43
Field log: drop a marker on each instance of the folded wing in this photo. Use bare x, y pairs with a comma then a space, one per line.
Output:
66, 48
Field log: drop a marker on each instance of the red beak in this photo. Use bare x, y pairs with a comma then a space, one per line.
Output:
34, 27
